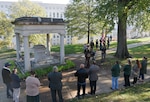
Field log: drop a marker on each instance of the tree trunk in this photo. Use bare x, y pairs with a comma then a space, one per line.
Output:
88, 40
122, 50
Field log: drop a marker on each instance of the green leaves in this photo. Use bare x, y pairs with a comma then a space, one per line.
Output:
27, 8
6, 29
81, 19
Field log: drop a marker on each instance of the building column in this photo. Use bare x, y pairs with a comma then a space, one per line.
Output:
62, 50
48, 42
26, 54
17, 46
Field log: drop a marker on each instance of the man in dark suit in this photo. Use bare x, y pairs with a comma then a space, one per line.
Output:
7, 79
55, 84
81, 74
93, 77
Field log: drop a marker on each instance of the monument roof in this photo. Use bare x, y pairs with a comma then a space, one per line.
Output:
37, 21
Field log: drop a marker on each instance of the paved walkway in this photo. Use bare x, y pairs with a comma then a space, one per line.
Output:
69, 81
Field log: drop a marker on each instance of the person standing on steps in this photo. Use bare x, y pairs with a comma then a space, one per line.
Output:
32, 88
127, 72
115, 70
55, 84
15, 85
7, 79
81, 75
93, 77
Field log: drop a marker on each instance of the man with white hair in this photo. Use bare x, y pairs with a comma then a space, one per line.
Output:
81, 74
55, 84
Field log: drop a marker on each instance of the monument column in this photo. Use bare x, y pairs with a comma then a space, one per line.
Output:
17, 45
62, 50
48, 42
26, 54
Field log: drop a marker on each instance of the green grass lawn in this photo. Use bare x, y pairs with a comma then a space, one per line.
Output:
78, 48
7, 53
130, 41
69, 49
139, 93
136, 53
140, 51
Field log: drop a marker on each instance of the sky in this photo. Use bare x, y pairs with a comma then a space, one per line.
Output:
46, 1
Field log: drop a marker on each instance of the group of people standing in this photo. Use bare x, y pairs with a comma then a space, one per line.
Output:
82, 74
12, 82
137, 71
90, 52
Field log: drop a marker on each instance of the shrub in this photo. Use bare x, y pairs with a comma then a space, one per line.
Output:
44, 71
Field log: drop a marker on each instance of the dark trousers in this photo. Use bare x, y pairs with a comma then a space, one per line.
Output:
93, 87
83, 85
134, 80
126, 79
53, 93
9, 88
33, 98
87, 61
141, 75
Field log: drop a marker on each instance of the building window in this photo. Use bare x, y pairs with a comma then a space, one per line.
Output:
54, 14
61, 15
57, 36
50, 14
57, 15
54, 36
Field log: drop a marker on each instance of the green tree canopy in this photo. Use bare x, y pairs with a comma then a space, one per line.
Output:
6, 29
26, 8
124, 12
81, 19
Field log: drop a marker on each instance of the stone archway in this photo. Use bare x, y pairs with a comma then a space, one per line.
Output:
26, 26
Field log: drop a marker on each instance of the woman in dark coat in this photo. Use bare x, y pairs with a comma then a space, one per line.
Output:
143, 69
127, 72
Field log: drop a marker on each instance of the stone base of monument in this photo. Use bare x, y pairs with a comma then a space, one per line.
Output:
46, 62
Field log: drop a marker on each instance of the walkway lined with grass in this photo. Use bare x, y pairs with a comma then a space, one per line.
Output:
69, 81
